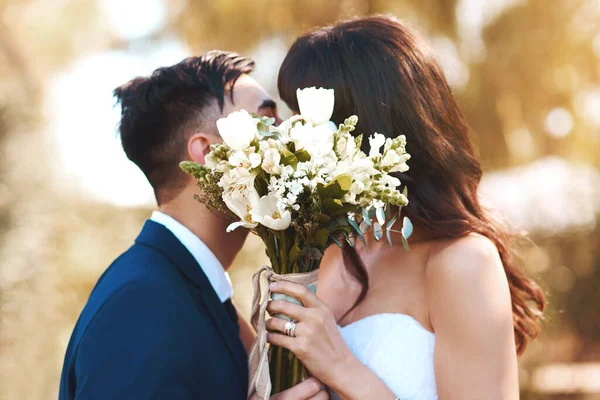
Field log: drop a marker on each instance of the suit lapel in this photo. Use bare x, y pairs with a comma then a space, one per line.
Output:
160, 238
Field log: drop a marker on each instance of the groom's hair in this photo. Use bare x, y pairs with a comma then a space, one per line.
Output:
159, 113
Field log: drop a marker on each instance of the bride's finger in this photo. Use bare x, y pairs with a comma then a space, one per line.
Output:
278, 325
322, 395
300, 292
291, 310
281, 340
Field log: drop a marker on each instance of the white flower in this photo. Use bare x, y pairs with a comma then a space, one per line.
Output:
357, 187
240, 196
272, 160
401, 165
316, 140
390, 181
345, 146
213, 163
246, 158
376, 141
269, 213
390, 159
316, 105
238, 129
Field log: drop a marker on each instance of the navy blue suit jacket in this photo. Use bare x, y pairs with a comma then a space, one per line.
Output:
154, 328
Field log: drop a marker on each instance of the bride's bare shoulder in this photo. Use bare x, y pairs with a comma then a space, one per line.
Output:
465, 250
465, 263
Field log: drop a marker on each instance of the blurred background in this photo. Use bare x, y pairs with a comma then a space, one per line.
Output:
526, 73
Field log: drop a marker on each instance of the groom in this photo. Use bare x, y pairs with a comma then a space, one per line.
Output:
160, 323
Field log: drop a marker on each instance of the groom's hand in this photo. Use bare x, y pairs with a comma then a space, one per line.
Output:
310, 389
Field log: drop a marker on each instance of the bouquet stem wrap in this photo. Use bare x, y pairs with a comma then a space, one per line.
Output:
260, 377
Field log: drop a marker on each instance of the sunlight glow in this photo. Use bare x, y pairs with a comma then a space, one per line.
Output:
80, 108
559, 122
133, 19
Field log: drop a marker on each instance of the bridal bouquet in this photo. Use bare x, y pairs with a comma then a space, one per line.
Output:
300, 186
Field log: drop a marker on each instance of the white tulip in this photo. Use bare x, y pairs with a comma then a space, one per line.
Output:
238, 129
316, 105
376, 141
269, 213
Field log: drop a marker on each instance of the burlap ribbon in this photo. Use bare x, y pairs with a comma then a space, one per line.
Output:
260, 379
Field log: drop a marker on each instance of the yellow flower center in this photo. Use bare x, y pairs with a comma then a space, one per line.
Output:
276, 215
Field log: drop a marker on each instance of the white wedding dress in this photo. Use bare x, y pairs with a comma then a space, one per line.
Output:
398, 350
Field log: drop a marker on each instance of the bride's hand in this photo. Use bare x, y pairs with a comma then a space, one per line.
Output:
318, 342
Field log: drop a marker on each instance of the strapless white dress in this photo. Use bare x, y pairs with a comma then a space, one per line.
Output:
398, 350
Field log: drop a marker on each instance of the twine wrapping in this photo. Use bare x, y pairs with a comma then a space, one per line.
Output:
260, 379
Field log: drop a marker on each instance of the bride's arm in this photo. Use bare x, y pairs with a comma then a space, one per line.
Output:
320, 346
470, 310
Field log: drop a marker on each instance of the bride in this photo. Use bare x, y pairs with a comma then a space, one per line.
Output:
448, 318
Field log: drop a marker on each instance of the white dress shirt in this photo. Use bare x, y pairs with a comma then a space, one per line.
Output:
217, 276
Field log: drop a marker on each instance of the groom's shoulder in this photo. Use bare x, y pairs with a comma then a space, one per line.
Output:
137, 264
138, 270
138, 279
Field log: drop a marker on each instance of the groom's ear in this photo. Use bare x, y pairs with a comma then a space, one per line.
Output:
199, 146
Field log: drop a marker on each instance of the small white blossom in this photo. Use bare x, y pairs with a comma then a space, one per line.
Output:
376, 141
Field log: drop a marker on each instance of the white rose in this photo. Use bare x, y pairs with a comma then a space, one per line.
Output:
238, 129
376, 141
269, 213
316, 105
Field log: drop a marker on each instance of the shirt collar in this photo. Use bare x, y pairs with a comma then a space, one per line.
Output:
214, 271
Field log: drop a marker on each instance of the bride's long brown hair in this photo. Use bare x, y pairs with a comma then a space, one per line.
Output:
386, 74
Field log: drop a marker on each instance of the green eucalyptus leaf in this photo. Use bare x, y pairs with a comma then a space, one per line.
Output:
357, 229
380, 213
364, 227
372, 211
407, 227
337, 242
377, 231
350, 240
405, 244
365, 215
388, 228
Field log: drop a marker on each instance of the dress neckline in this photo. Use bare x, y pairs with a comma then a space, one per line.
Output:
387, 315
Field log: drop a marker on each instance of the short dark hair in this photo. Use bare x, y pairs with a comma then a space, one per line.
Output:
159, 113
